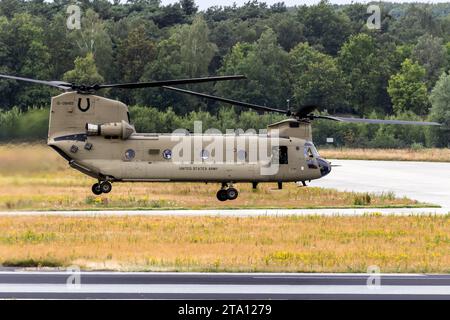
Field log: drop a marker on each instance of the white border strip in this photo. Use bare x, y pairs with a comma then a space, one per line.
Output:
226, 289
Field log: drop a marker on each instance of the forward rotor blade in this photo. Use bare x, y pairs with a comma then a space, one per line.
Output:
377, 121
230, 101
57, 84
137, 85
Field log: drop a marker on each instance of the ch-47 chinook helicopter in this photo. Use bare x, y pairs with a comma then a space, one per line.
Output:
95, 135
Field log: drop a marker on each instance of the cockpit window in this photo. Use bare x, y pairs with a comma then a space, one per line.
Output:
310, 150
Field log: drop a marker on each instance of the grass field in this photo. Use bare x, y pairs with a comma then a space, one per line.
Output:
291, 244
434, 155
34, 177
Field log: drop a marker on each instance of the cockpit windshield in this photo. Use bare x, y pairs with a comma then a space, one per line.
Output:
310, 150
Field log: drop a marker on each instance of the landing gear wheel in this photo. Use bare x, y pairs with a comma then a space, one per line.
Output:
232, 193
222, 195
106, 187
96, 189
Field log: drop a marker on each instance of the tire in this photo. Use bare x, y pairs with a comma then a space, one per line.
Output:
106, 187
96, 189
232, 193
222, 195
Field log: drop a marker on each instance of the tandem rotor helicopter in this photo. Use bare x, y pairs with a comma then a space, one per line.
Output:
95, 135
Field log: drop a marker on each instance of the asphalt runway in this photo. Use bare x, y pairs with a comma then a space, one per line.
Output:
121, 285
424, 181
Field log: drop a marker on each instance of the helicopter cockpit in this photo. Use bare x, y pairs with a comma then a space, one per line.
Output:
314, 160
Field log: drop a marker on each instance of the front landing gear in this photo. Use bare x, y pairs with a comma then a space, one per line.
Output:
227, 193
101, 187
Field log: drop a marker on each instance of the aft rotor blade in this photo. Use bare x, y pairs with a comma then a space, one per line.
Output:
137, 85
56, 84
377, 121
230, 101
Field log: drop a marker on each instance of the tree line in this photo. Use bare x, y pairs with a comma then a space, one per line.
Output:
322, 54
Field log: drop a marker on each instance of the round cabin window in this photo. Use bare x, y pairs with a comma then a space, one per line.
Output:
129, 154
167, 154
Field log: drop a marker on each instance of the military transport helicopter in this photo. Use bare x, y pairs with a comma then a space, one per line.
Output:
95, 135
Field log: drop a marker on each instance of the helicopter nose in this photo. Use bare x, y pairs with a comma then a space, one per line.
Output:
325, 166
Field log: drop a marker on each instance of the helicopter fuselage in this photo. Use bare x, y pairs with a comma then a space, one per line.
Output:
95, 135
149, 157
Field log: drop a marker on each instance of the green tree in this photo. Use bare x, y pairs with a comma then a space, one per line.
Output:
416, 21
94, 38
447, 49
23, 52
407, 89
63, 51
359, 60
289, 30
316, 79
431, 54
325, 28
186, 53
196, 51
188, 7
440, 112
133, 53
85, 71
265, 64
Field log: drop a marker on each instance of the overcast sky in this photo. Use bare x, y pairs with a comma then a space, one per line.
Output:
204, 4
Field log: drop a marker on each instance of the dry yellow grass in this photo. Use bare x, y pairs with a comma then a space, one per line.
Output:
35, 177
300, 244
435, 155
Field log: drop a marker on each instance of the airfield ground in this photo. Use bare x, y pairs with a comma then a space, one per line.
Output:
34, 177
282, 244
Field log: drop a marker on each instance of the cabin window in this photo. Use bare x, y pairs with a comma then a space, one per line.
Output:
153, 152
167, 154
204, 154
130, 154
280, 154
242, 155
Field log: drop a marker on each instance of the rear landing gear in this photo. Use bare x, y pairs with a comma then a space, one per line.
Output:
101, 187
227, 193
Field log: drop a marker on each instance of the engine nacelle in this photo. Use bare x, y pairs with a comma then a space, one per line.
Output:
123, 130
